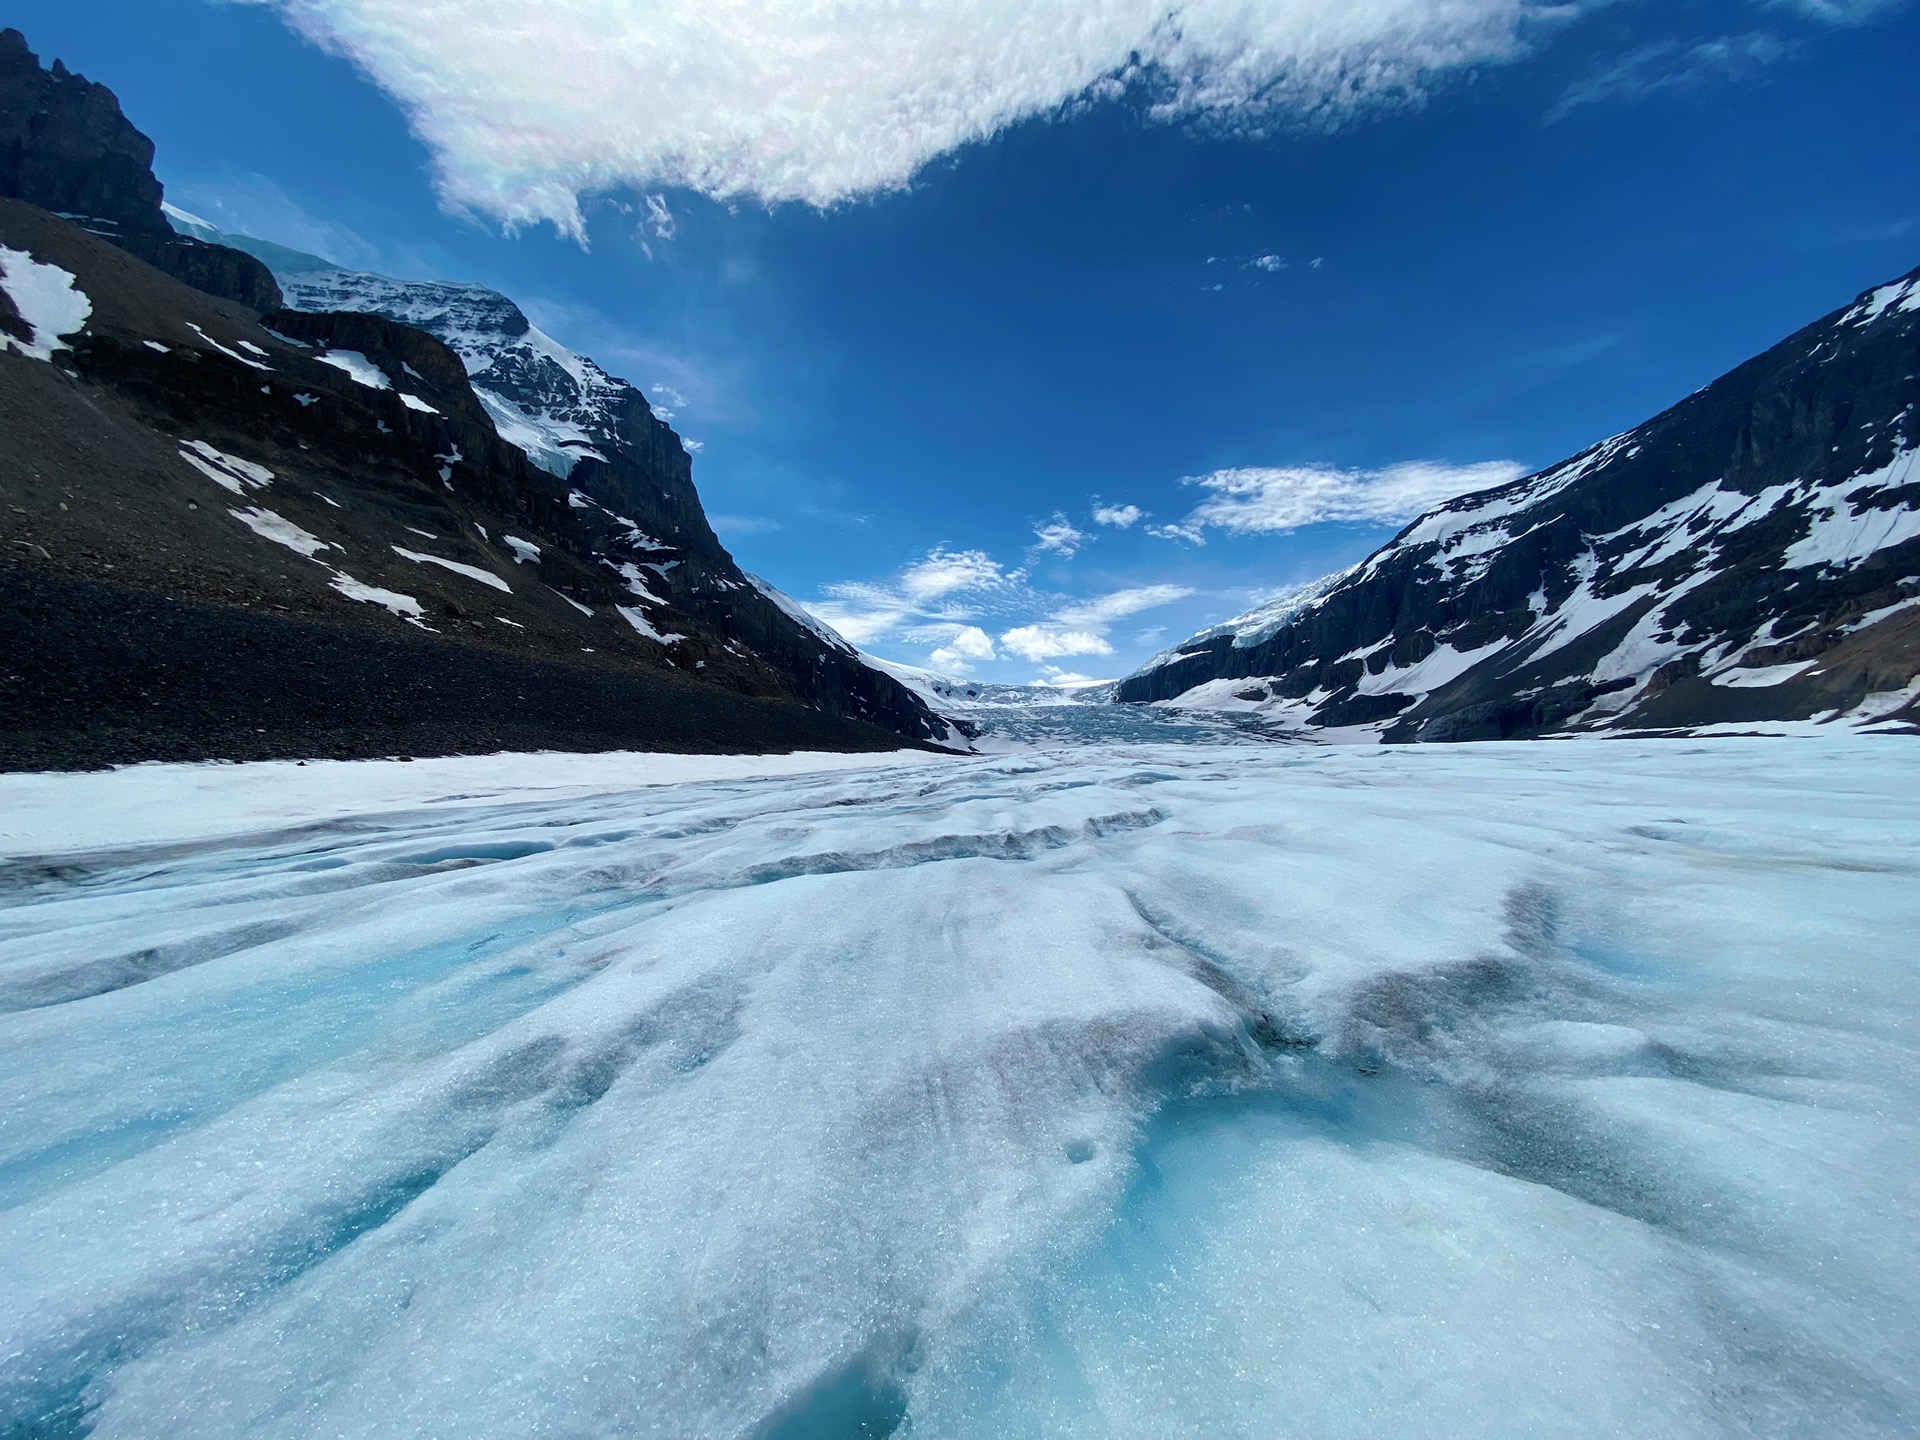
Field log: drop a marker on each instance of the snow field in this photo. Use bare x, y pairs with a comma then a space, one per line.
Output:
1550, 1089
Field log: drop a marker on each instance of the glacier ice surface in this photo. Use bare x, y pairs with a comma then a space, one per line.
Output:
1556, 1089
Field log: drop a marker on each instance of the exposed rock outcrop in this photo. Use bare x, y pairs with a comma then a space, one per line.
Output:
65, 146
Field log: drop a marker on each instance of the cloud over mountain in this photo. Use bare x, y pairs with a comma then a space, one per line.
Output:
528, 107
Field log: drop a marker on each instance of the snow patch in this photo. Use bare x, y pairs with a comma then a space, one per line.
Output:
231, 354
638, 620
358, 367
1841, 536
800, 615
472, 572
47, 299
229, 472
405, 606
280, 530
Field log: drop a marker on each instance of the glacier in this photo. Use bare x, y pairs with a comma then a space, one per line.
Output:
1163, 1086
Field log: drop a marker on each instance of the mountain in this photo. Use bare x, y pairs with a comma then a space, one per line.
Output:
65, 146
1751, 555
321, 529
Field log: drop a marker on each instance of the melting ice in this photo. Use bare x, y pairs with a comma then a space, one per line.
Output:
1559, 1089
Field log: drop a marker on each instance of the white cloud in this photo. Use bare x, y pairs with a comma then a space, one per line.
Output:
1060, 536
942, 599
944, 587
1047, 641
1266, 501
251, 204
659, 218
1066, 679
1192, 534
527, 107
1081, 628
1667, 67
967, 644
945, 572
1839, 12
1105, 609
1120, 517
1272, 264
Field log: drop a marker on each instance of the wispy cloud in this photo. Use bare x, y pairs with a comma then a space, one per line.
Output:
945, 589
528, 107
1120, 517
1059, 536
1117, 605
743, 524
1671, 67
1273, 501
251, 204
1840, 12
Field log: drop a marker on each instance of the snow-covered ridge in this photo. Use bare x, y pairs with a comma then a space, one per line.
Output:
1262, 622
806, 619
1718, 548
557, 406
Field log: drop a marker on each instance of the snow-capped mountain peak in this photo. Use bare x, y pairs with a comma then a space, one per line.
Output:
556, 405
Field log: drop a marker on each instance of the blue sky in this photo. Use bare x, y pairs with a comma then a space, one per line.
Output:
937, 288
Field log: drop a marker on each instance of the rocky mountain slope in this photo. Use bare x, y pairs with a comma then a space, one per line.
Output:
65, 146
225, 474
1752, 554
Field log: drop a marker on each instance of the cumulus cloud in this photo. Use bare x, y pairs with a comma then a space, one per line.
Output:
942, 600
1081, 627
1045, 641
1060, 536
1066, 679
1120, 517
965, 645
1269, 501
526, 107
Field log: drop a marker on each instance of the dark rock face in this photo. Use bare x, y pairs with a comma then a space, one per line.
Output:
626, 472
209, 503
65, 146
198, 445
99, 674
1752, 554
